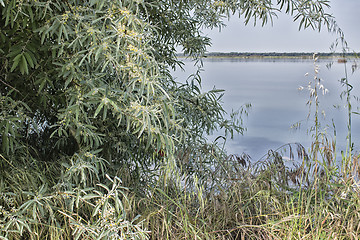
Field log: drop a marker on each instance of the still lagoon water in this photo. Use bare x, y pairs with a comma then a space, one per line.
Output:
271, 86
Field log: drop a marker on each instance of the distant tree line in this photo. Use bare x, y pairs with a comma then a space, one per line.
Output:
277, 54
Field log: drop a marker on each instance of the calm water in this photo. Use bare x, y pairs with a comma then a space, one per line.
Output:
271, 86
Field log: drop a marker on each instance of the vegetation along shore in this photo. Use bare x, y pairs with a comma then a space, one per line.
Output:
300, 55
99, 141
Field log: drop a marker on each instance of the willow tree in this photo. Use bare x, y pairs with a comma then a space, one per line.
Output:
87, 97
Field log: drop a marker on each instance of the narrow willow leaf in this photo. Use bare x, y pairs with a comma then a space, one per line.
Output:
98, 109
29, 59
16, 62
97, 53
23, 65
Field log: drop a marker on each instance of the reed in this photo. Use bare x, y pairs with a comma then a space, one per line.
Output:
269, 199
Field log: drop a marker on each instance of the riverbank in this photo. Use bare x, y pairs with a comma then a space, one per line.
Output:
290, 55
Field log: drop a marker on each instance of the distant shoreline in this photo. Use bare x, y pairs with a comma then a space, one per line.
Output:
246, 55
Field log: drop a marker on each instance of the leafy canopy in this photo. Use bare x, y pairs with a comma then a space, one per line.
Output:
94, 74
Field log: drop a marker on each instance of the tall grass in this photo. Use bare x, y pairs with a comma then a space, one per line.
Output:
268, 199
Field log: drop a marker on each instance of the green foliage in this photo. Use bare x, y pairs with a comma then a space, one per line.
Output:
91, 118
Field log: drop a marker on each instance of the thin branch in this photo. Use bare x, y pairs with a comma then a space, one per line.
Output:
5, 83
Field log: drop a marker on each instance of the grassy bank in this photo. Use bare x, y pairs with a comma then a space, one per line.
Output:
262, 201
300, 198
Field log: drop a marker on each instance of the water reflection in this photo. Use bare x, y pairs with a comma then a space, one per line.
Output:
271, 86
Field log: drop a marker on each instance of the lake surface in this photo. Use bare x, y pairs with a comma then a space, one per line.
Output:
271, 86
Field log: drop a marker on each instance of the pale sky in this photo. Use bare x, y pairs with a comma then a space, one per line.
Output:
284, 35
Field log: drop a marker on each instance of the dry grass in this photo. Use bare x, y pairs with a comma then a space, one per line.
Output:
266, 200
